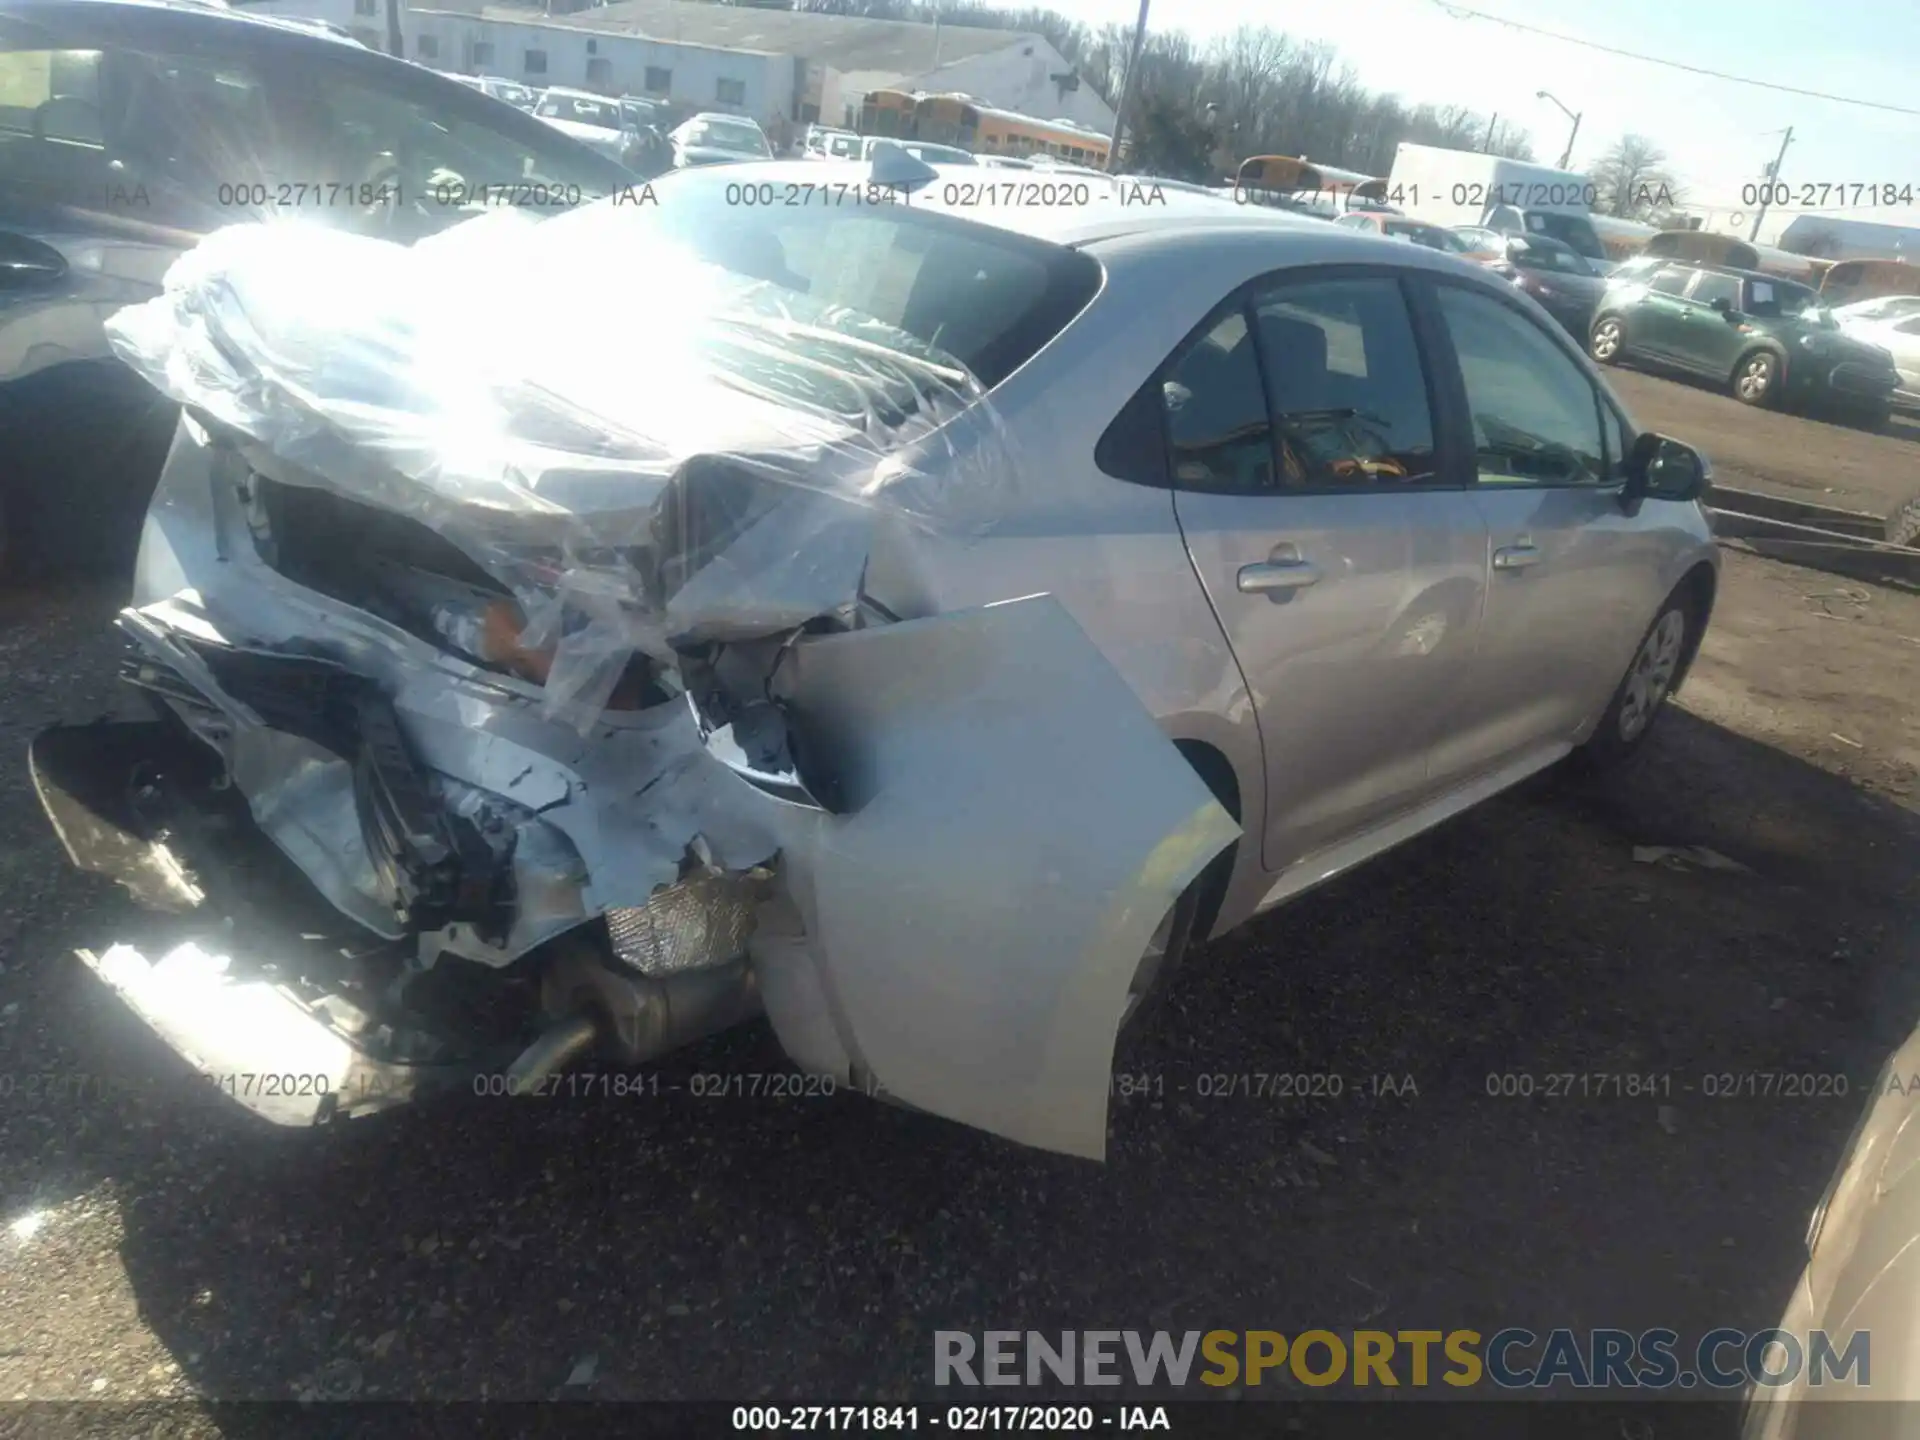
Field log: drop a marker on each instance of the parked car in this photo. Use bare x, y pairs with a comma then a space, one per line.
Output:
1892, 324
509, 92
774, 729
1398, 227
1555, 274
128, 131
593, 120
1769, 341
824, 143
712, 139
512, 92
1860, 1280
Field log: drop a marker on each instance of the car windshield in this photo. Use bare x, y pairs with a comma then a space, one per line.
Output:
581, 110
1431, 236
1536, 252
512, 94
1575, 231
741, 135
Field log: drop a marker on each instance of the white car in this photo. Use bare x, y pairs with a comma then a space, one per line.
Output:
591, 119
1891, 322
713, 138
1862, 1278
921, 622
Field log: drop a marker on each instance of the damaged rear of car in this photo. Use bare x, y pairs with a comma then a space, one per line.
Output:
538, 638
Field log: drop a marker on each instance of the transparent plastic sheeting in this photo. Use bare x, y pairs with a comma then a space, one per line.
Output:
547, 393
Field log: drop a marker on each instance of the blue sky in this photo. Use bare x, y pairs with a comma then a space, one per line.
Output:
1718, 134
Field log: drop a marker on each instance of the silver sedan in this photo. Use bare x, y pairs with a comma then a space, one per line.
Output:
1037, 577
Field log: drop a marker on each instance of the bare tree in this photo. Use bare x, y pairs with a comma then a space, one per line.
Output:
1256, 91
1631, 180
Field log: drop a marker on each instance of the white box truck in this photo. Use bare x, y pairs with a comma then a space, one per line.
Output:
1465, 187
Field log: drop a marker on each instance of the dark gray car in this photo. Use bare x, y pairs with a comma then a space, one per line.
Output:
146, 126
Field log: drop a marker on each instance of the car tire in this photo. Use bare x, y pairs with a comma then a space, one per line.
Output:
1903, 525
1756, 378
1607, 341
1657, 663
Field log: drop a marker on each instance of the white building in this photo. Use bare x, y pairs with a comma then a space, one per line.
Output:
762, 63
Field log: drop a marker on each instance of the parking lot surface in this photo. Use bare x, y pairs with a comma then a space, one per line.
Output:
671, 1245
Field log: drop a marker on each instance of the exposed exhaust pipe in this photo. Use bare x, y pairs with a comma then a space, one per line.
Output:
558, 1047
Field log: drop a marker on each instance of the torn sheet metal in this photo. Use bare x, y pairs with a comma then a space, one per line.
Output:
1016, 825
670, 451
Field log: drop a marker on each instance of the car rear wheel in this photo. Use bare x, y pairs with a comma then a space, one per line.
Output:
1608, 339
1756, 376
1644, 689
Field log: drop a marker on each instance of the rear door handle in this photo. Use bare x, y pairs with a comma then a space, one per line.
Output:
1276, 577
1515, 557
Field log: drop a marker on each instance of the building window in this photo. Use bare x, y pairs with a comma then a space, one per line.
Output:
482, 53
599, 72
659, 80
536, 62
428, 47
730, 92
366, 7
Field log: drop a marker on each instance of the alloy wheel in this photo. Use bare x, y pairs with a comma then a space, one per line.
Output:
1756, 378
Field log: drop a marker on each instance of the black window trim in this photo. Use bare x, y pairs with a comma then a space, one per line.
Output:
1605, 405
1452, 451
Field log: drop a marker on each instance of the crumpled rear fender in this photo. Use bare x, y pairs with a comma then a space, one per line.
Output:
1013, 826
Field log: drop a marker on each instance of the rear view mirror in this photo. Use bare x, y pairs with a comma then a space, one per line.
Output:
1662, 468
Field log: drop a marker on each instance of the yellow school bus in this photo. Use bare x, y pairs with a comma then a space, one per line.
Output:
888, 112
960, 120
1293, 183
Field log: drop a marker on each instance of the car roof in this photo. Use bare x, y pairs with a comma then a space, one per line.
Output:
190, 12
573, 94
1180, 222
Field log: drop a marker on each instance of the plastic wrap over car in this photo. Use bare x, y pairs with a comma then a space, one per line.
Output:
561, 437
516, 579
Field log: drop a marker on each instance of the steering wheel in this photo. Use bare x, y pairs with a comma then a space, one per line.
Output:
95, 132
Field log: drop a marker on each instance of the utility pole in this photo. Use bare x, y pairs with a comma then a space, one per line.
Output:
1492, 124
1126, 88
1773, 174
396, 41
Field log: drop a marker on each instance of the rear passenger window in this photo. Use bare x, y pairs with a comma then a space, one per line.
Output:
1344, 384
1671, 281
1536, 417
1217, 430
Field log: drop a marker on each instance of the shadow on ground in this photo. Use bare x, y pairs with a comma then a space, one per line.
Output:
668, 1246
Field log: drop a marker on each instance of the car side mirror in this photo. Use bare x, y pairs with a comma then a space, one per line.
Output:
1662, 468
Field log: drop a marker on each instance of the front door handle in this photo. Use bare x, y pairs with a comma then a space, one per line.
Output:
1515, 557
1276, 577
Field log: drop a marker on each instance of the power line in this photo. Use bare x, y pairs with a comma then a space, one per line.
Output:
1461, 13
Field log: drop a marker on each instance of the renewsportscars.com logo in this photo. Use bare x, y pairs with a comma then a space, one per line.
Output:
1511, 1359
